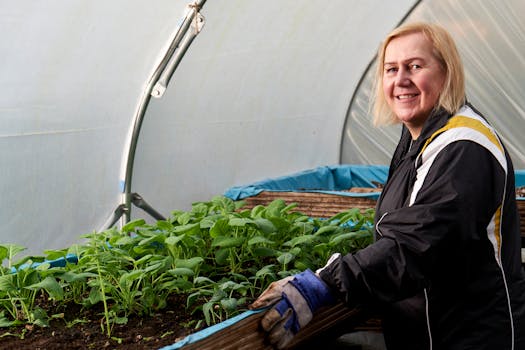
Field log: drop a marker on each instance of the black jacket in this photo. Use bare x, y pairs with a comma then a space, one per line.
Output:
446, 267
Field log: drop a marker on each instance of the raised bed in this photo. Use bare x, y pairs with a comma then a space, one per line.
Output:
314, 204
521, 209
328, 323
245, 334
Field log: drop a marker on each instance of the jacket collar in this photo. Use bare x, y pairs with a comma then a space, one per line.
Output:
410, 148
436, 120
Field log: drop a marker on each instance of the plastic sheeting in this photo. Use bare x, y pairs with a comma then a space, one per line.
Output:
333, 179
263, 91
491, 39
71, 74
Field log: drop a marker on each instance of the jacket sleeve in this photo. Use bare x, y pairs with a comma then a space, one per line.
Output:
420, 242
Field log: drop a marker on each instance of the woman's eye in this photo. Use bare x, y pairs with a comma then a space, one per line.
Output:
391, 70
415, 66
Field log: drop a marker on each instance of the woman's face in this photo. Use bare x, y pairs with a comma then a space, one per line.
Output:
412, 80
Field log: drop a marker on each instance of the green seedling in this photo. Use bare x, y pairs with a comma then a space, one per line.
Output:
217, 255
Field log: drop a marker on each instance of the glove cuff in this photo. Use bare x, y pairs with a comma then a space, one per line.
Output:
316, 293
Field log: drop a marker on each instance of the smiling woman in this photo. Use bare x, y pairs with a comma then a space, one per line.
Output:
448, 205
421, 71
446, 265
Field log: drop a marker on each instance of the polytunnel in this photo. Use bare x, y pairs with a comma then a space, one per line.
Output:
97, 111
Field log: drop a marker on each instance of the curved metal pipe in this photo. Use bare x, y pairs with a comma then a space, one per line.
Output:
146, 96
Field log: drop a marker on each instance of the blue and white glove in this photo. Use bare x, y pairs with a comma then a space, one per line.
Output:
300, 297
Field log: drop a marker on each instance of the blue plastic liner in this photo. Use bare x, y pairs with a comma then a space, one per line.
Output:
60, 262
519, 176
206, 332
325, 179
328, 179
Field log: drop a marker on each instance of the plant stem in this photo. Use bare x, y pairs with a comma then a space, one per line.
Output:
104, 301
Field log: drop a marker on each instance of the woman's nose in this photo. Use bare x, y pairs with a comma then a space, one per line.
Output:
402, 77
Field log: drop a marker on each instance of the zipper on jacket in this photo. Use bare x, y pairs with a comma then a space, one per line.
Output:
378, 222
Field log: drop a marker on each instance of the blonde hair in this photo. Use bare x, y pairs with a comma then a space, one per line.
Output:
445, 51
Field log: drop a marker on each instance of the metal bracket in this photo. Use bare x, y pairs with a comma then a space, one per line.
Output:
194, 21
139, 202
142, 204
114, 217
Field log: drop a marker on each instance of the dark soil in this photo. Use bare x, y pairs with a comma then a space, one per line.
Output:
164, 328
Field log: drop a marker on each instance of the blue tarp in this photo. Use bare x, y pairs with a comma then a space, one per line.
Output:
60, 262
335, 178
520, 181
519, 175
328, 179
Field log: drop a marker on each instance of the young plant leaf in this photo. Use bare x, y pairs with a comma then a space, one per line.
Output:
207, 310
51, 286
229, 304
340, 238
285, 258
228, 242
327, 230
264, 251
7, 283
191, 263
241, 222
266, 270
173, 240
221, 256
257, 211
220, 228
187, 228
132, 225
259, 240
300, 240
9, 252
265, 225
201, 280
181, 271
184, 218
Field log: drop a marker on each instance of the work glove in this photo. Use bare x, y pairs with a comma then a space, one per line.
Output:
298, 298
272, 294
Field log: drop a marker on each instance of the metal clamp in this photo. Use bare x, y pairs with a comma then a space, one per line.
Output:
194, 20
